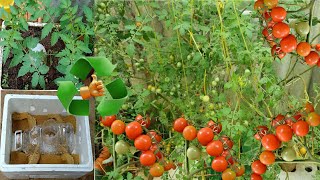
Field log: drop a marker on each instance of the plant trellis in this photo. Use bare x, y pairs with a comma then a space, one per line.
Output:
81, 69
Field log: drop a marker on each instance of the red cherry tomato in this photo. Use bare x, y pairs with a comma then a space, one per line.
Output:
118, 127
255, 177
270, 142
258, 168
107, 120
261, 131
228, 156
303, 49
189, 133
154, 148
317, 47
179, 124
276, 51
266, 15
156, 170
284, 133
313, 119
289, 122
259, 6
300, 128
239, 169
267, 157
312, 59
143, 121
288, 44
142, 143
228, 174
277, 120
155, 137
297, 116
214, 148
216, 127
205, 135
278, 14
147, 158
219, 164
309, 108
280, 30
227, 143
133, 130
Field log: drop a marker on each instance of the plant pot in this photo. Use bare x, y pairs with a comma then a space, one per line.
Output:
43, 105
9, 75
297, 171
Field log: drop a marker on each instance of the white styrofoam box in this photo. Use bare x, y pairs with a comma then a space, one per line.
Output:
300, 172
42, 105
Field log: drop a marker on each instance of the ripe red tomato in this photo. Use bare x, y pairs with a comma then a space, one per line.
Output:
289, 122
219, 164
143, 142
309, 108
228, 174
303, 49
270, 23
317, 47
297, 116
258, 168
118, 127
189, 133
179, 124
155, 137
284, 133
270, 3
261, 131
266, 33
300, 128
277, 120
156, 170
205, 135
278, 14
216, 127
255, 177
280, 30
168, 165
147, 158
143, 121
312, 59
313, 119
107, 120
288, 44
266, 15
228, 156
259, 6
133, 130
239, 169
276, 51
227, 143
270, 142
267, 157
215, 148
154, 148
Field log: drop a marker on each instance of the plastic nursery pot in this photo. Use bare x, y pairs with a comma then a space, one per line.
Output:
297, 171
43, 105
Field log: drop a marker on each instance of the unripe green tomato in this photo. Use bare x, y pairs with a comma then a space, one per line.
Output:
179, 64
173, 89
102, 5
212, 113
141, 60
192, 102
206, 98
288, 154
167, 79
122, 147
171, 93
246, 123
189, 57
211, 106
293, 24
137, 64
158, 90
207, 115
214, 83
201, 97
100, 10
192, 54
217, 79
171, 57
302, 28
138, 69
193, 153
213, 91
149, 87
124, 106
223, 72
220, 105
153, 89
247, 72
178, 86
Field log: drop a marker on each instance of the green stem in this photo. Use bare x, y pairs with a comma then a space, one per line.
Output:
297, 76
114, 139
314, 38
128, 164
186, 146
197, 171
238, 21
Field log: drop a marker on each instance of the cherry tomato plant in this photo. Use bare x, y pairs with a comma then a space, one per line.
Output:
202, 88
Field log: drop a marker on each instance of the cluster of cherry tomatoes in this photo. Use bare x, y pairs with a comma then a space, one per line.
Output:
285, 127
147, 143
219, 147
277, 33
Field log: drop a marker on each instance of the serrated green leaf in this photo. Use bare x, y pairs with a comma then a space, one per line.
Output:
64, 61
35, 79
24, 23
17, 59
54, 38
6, 52
23, 70
88, 13
130, 50
31, 42
42, 82
46, 30
43, 69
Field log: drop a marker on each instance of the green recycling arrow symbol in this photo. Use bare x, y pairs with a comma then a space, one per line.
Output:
81, 69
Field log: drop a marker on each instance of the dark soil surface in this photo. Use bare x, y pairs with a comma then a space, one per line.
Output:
24, 82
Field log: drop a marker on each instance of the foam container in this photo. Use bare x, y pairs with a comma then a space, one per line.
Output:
42, 105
